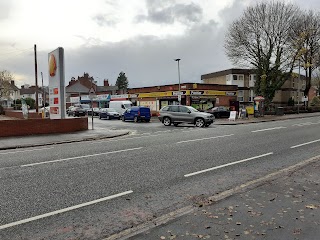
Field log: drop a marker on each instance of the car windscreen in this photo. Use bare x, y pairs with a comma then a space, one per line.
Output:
85, 106
127, 105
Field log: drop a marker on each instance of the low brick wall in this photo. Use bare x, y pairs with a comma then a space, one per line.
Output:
31, 115
23, 127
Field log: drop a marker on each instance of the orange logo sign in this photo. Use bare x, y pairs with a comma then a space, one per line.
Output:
52, 65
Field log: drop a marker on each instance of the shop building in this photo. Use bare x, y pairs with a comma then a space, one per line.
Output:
199, 95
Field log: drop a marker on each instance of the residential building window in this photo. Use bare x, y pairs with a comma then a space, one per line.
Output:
252, 80
235, 77
293, 83
251, 96
240, 95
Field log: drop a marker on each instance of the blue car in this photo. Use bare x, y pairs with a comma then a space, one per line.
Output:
137, 114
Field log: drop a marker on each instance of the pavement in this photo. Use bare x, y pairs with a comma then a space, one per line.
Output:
282, 205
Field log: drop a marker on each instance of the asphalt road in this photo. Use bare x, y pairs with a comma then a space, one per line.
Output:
91, 190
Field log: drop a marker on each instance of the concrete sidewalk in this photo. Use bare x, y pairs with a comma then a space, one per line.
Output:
282, 205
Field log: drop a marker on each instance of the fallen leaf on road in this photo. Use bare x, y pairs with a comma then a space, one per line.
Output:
311, 206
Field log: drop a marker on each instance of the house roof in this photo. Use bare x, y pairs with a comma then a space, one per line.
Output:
226, 72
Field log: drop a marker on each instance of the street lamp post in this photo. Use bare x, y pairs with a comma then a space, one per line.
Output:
179, 96
299, 79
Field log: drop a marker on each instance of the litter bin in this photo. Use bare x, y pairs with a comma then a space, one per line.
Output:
280, 111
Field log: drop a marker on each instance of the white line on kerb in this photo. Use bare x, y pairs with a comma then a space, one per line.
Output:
300, 145
201, 139
228, 164
267, 129
63, 210
85, 156
29, 150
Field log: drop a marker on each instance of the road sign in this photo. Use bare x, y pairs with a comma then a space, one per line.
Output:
92, 93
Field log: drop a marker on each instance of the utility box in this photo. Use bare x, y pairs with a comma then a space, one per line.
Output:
280, 111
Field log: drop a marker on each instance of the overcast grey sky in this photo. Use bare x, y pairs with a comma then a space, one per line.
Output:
103, 37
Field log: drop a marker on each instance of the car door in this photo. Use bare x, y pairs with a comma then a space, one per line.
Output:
185, 114
173, 113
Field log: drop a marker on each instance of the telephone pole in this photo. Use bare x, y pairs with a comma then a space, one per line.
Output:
36, 76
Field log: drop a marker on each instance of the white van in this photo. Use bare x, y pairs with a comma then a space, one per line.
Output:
120, 106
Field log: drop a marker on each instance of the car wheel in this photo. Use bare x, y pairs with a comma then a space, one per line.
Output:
122, 118
135, 119
108, 117
199, 122
217, 115
166, 121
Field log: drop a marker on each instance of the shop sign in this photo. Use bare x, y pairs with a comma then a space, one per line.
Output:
176, 93
231, 93
74, 99
196, 92
119, 96
154, 94
213, 92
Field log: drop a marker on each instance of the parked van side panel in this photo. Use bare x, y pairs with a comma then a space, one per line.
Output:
120, 106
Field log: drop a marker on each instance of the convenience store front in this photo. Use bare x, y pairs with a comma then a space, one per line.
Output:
199, 99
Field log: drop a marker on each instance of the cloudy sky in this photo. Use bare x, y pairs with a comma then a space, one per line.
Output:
104, 37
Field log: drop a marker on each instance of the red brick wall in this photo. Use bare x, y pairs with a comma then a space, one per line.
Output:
41, 126
20, 115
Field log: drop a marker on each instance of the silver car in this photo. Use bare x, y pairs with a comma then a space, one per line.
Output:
176, 114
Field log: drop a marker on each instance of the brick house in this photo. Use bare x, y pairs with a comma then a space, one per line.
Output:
77, 91
245, 80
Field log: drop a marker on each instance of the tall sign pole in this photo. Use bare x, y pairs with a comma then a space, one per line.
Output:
36, 76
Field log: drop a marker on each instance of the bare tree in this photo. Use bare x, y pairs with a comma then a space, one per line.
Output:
5, 80
260, 39
307, 38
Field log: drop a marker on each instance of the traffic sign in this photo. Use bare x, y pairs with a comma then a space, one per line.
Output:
92, 93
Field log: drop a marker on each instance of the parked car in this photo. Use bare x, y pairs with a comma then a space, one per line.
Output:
177, 114
96, 111
68, 109
83, 106
109, 113
77, 112
219, 112
120, 106
137, 114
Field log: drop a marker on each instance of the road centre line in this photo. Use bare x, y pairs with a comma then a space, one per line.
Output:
29, 150
303, 144
63, 210
305, 124
85, 156
267, 129
201, 139
228, 164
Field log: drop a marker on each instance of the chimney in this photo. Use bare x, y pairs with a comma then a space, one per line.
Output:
12, 82
106, 83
